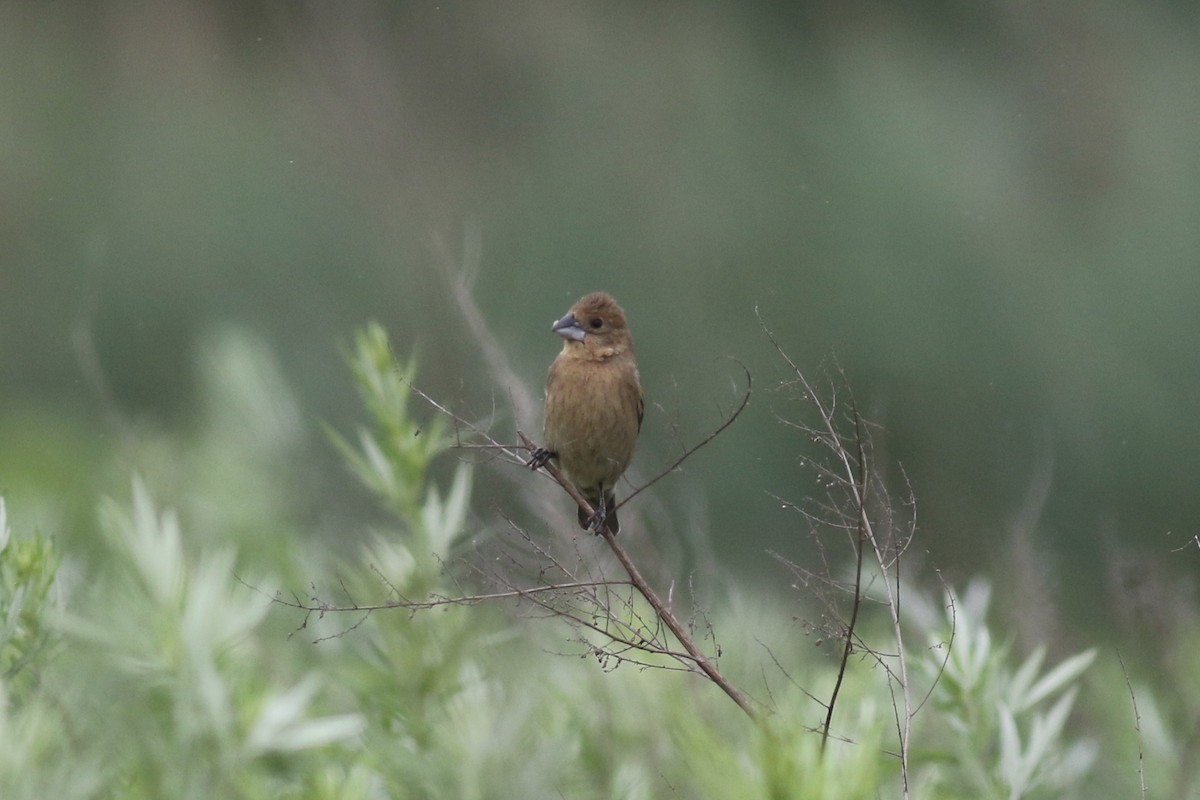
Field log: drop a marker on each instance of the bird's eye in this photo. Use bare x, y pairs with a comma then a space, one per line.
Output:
596, 322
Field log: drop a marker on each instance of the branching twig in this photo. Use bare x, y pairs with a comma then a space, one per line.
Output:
668, 618
857, 503
435, 601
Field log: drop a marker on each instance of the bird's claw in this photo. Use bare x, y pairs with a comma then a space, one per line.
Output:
597, 521
540, 458
603, 520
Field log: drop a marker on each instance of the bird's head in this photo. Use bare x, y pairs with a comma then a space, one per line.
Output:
595, 327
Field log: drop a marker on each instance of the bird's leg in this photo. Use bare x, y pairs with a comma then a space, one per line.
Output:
540, 456
599, 517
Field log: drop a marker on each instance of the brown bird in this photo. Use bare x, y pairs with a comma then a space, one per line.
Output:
594, 405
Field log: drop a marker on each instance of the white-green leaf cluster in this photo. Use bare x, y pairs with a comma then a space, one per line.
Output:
1008, 725
172, 645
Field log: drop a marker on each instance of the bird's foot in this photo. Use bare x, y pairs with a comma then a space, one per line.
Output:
597, 521
540, 457
602, 520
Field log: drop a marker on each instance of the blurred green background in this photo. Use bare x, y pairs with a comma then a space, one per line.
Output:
989, 213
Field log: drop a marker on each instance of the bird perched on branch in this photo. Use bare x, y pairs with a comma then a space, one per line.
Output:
594, 405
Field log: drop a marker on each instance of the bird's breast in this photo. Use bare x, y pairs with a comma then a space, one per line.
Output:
592, 419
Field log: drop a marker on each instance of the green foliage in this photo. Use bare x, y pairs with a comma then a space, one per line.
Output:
172, 648
1003, 727
393, 458
27, 570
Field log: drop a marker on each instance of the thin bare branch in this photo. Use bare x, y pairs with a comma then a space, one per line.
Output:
668, 618
949, 645
729, 420
1137, 726
857, 596
434, 600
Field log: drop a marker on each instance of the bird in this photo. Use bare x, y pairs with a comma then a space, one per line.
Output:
594, 406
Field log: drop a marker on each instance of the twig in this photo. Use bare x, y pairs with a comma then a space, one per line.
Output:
858, 567
949, 644
435, 600
1137, 725
668, 618
712, 435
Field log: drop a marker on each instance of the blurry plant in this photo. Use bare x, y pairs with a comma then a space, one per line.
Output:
412, 675
162, 682
996, 731
169, 649
784, 754
34, 749
393, 458
39, 760
240, 475
28, 568
232, 486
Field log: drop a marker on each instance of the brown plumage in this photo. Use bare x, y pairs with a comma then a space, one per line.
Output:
594, 404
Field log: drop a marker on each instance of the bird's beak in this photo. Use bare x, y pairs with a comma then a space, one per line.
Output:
569, 328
